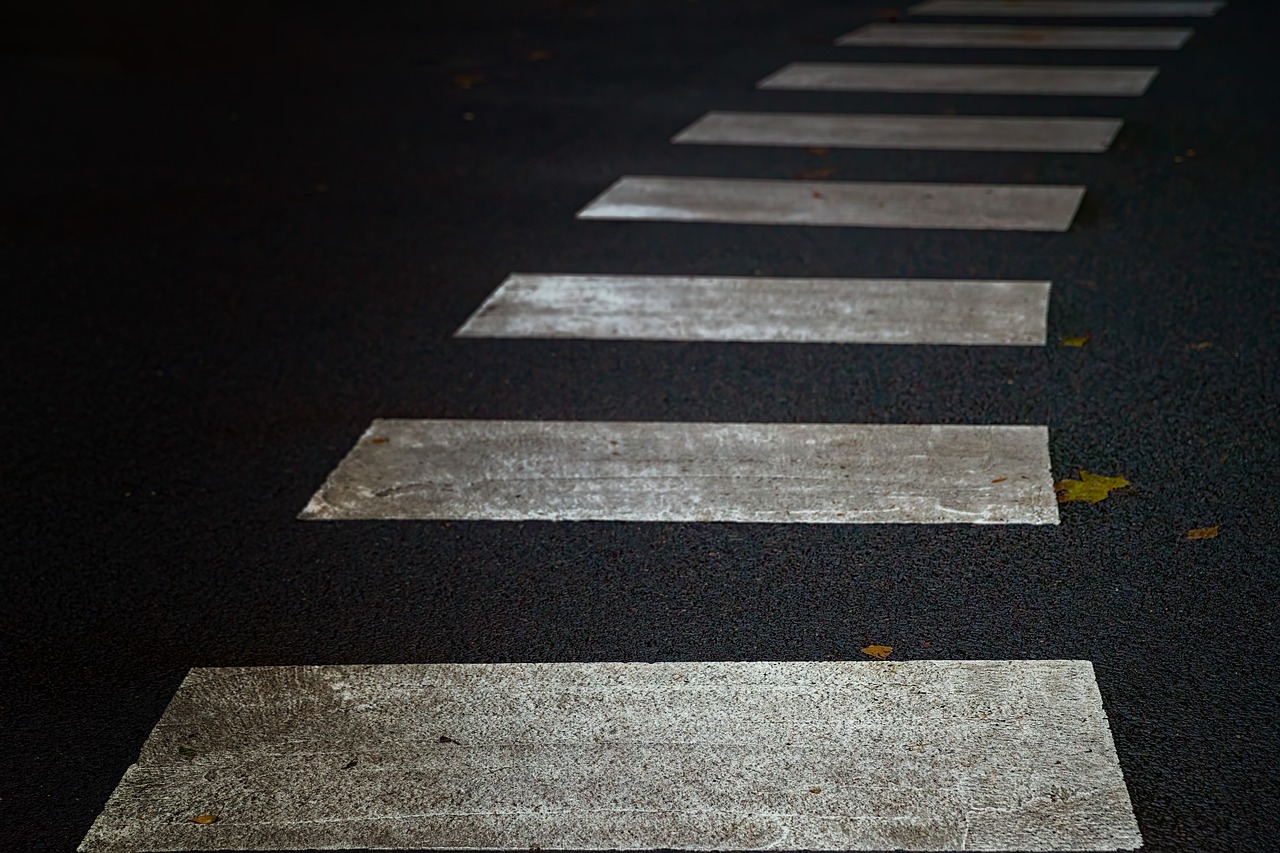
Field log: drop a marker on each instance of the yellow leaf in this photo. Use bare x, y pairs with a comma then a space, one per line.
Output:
815, 174
205, 818
1204, 532
1090, 487
1076, 342
879, 652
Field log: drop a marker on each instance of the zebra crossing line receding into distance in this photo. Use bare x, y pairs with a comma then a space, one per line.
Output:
947, 755
1069, 8
686, 472
938, 133
839, 203
950, 755
961, 79
984, 35
757, 309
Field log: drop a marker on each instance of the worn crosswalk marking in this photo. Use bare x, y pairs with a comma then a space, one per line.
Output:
793, 310
917, 755
992, 36
870, 205
683, 472
955, 133
962, 79
1069, 8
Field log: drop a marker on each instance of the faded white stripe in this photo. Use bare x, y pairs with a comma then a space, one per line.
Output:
1069, 8
961, 79
625, 471
870, 205
955, 133
796, 310
918, 755
982, 35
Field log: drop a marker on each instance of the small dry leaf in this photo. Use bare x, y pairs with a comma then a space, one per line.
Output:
815, 174
1090, 487
819, 150
1202, 345
1076, 342
815, 790
817, 194
379, 440
205, 819
1204, 532
1000, 479
466, 81
878, 652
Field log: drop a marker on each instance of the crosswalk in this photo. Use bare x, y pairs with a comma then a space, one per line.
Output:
1020, 37
757, 309
961, 79
953, 755
960, 755
940, 133
685, 472
1069, 8
838, 203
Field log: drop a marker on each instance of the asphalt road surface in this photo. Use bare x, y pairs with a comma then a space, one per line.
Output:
235, 234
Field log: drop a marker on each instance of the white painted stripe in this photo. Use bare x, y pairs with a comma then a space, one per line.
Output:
795, 310
954, 133
961, 79
624, 471
917, 755
982, 35
1069, 8
870, 205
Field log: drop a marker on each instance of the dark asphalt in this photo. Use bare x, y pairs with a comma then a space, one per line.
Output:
234, 234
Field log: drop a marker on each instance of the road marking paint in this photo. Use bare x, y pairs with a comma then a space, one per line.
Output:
919, 755
795, 310
681, 472
870, 205
983, 35
961, 79
955, 133
1069, 8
